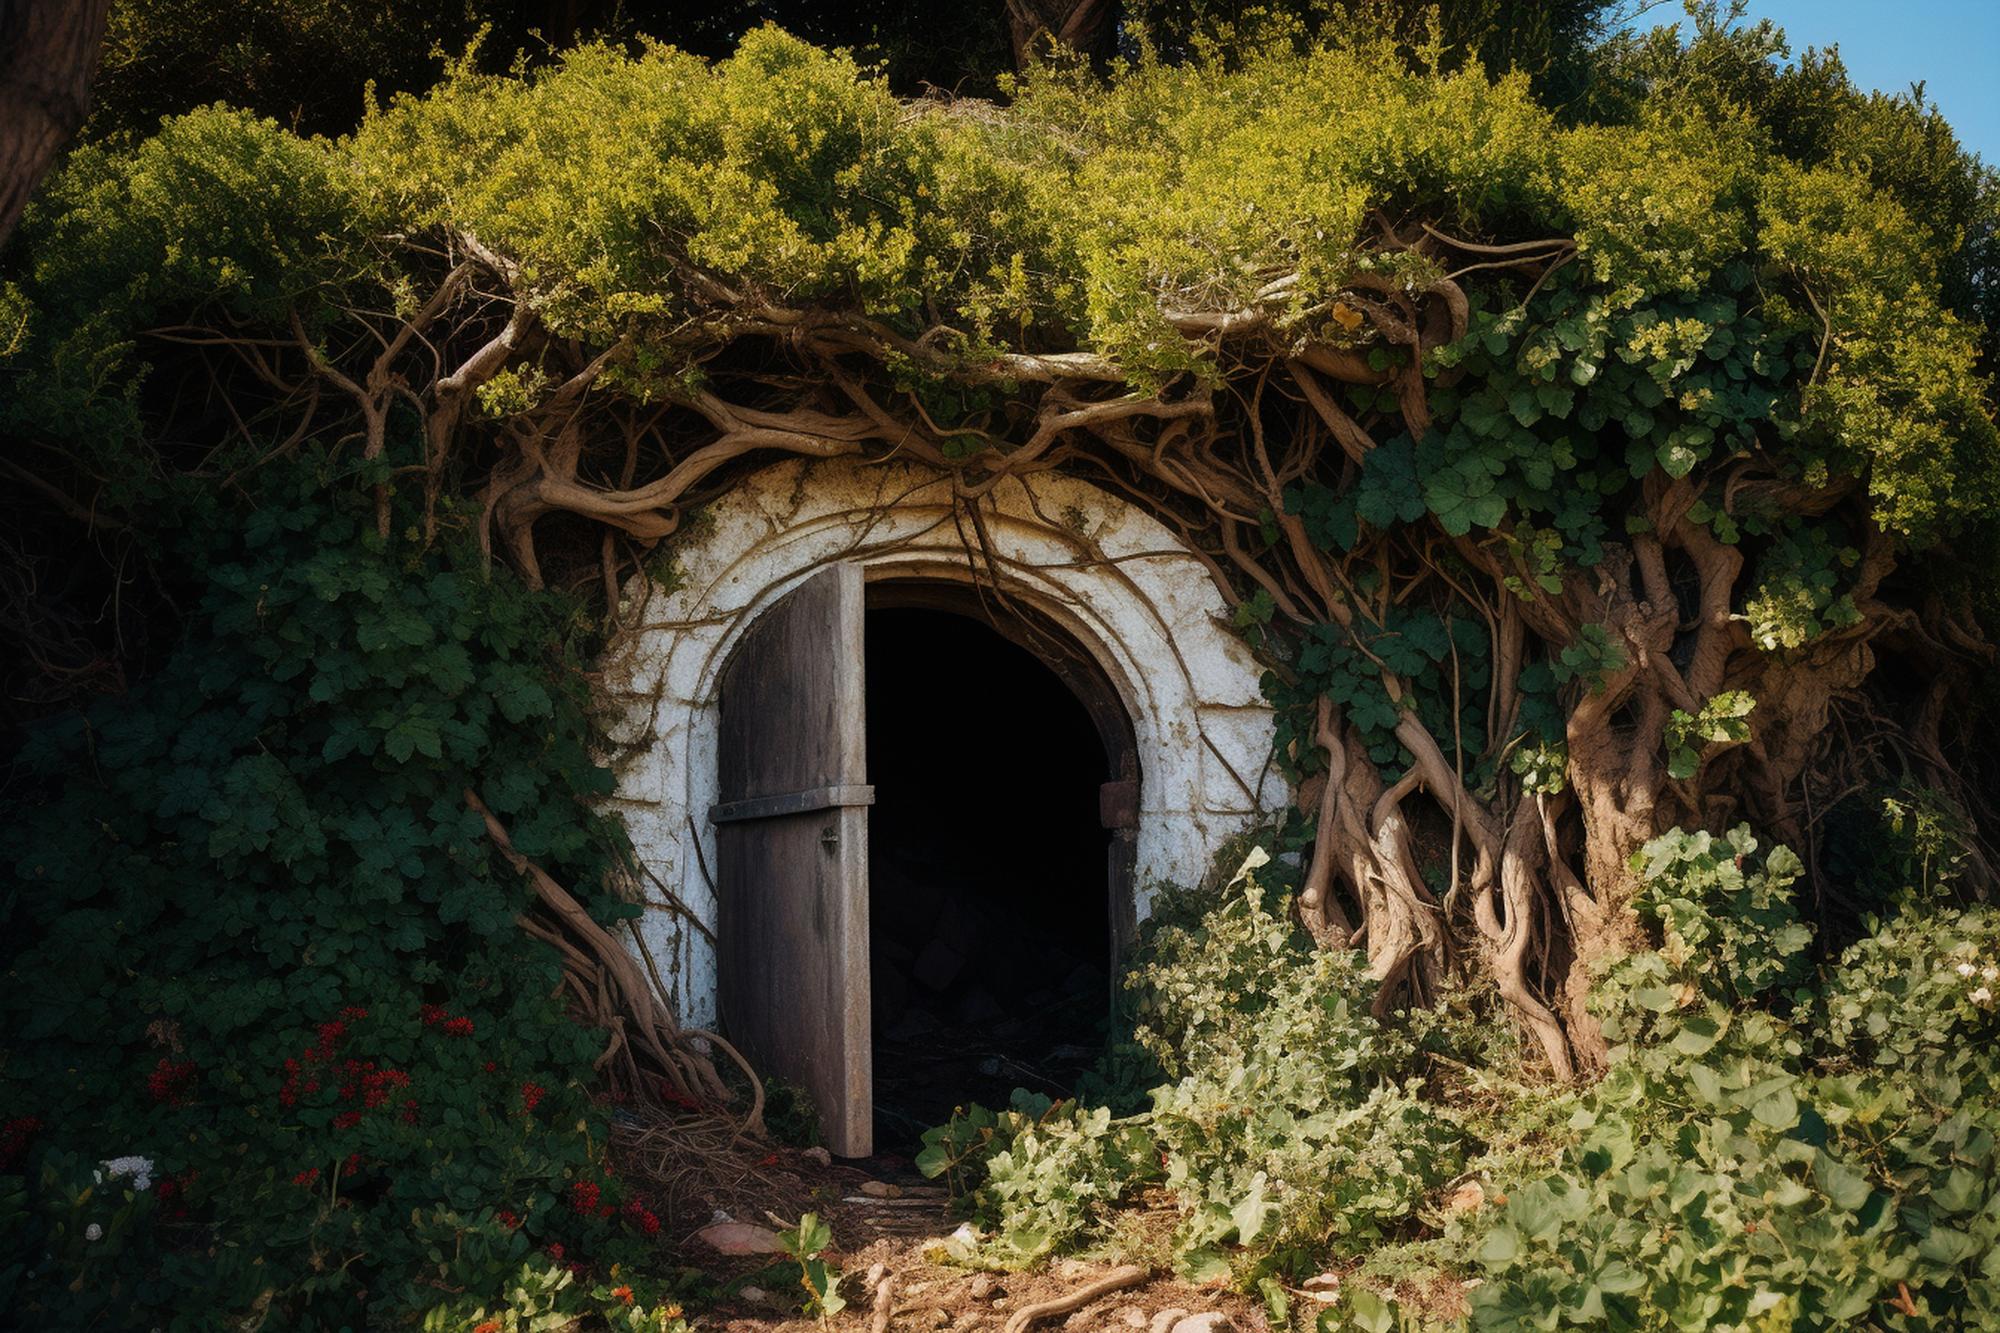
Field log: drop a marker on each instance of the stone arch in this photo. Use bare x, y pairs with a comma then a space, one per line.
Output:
1111, 577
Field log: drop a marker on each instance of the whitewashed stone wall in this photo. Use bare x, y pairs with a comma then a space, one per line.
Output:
1112, 576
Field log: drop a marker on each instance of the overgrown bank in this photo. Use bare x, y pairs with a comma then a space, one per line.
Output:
278, 1048
1778, 1144
1577, 478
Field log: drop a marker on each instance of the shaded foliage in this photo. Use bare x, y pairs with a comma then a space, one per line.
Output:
254, 937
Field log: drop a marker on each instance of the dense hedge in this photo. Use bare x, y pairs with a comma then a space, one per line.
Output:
1776, 1145
258, 949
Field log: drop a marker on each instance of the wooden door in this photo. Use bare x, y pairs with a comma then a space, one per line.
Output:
792, 850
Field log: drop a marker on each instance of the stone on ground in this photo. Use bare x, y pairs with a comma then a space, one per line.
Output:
740, 1238
1210, 1321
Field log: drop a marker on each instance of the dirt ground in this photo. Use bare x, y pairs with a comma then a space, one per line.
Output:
903, 1237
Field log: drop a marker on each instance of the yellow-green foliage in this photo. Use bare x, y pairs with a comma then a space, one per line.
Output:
1082, 214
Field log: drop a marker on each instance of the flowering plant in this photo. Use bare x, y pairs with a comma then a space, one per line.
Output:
334, 1027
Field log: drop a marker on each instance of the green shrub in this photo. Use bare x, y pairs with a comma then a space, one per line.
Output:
255, 941
1771, 1149
1289, 1129
1744, 1169
1284, 1129
1043, 1176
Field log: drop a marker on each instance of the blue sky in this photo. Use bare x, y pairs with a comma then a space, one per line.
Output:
1953, 46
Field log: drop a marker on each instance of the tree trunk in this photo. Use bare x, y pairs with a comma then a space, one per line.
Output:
48, 53
1088, 27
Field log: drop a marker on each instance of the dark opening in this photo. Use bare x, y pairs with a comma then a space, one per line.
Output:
989, 912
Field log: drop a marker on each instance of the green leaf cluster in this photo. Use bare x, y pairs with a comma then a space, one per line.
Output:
243, 891
1285, 1125
1722, 720
1763, 1155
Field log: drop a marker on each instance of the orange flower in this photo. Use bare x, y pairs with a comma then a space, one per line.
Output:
623, 1293
490, 1326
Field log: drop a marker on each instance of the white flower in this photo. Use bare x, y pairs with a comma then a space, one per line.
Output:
1989, 973
93, 1232
139, 1168
1982, 996
1966, 969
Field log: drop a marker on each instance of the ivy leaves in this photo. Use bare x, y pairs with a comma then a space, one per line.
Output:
1819, 1170
1549, 414
1464, 496
1722, 720
271, 829
1388, 492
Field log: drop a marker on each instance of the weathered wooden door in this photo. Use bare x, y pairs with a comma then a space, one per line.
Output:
792, 846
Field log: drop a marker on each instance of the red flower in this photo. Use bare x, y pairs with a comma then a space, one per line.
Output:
169, 1082
353, 1013
306, 1178
458, 1027
583, 1196
170, 1189
555, 1249
329, 1039
432, 1014
347, 1120
351, 1165
410, 1111
373, 1086
531, 1095
14, 1136
642, 1217
490, 1066
506, 1217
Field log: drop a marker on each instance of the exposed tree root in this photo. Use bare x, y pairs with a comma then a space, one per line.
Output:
1528, 882
612, 991
1116, 1280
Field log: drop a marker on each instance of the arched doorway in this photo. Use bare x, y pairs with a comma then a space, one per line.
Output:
1000, 857
1143, 637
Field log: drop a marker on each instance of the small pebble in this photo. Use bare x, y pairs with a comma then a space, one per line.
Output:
818, 1156
1167, 1318
1209, 1321
880, 1189
1467, 1198
983, 1287
1132, 1316
740, 1238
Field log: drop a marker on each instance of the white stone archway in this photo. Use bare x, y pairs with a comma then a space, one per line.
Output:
1114, 578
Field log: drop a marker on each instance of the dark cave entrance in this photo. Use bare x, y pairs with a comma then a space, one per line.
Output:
999, 859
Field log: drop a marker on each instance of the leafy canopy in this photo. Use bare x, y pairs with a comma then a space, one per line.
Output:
1729, 288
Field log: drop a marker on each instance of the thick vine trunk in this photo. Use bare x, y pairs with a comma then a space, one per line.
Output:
1449, 861
48, 53
1087, 27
